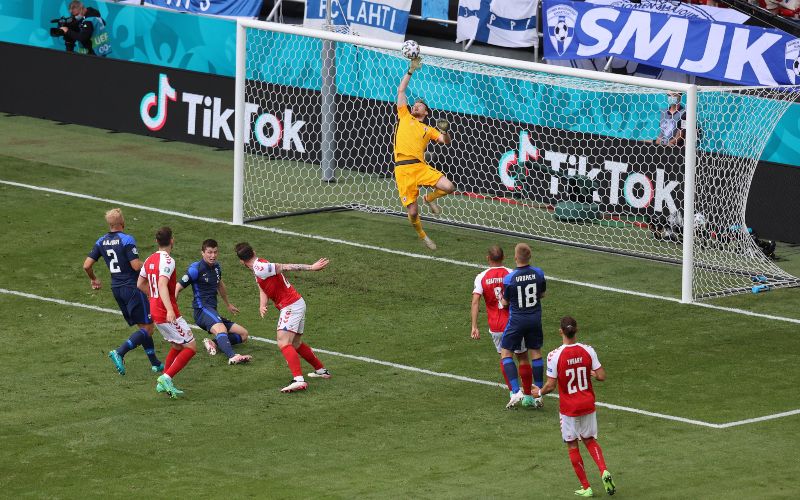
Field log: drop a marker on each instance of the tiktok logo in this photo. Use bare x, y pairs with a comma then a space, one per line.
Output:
165, 91
510, 160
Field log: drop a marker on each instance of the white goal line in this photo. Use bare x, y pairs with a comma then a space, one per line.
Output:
391, 251
431, 372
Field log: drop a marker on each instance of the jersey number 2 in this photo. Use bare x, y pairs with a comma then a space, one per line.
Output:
112, 264
576, 379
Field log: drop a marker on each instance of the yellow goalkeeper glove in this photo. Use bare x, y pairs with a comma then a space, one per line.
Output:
442, 125
415, 64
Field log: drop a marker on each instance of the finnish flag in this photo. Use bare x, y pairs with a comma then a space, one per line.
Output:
506, 23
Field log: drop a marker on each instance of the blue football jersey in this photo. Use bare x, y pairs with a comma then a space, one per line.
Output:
204, 279
118, 250
523, 288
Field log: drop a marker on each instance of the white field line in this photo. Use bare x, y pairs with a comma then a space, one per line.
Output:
389, 250
433, 373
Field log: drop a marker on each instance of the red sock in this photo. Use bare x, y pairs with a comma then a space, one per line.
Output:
577, 464
505, 377
292, 359
597, 454
180, 361
171, 355
308, 354
526, 374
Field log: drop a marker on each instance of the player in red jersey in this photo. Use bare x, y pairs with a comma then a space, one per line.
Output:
572, 366
489, 285
274, 286
157, 277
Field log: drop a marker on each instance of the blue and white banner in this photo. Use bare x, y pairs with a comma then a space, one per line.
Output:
236, 8
633, 68
384, 19
683, 9
734, 53
507, 23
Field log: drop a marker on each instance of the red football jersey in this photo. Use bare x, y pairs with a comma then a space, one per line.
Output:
160, 264
489, 284
572, 365
276, 286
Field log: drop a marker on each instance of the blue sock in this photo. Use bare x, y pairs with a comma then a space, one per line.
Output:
235, 338
538, 372
134, 340
225, 345
150, 350
511, 372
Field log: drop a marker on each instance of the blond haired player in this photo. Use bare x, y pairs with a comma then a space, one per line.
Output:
411, 170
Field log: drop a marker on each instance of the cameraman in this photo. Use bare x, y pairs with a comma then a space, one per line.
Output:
90, 32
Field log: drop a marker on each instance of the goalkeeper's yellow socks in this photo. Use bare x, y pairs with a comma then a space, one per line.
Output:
437, 193
417, 223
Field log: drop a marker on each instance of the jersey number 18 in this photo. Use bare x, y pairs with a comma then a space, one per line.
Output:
526, 297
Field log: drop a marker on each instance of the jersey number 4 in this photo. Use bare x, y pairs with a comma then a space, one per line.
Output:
526, 297
576, 379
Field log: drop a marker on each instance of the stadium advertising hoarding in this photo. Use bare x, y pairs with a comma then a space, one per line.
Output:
198, 108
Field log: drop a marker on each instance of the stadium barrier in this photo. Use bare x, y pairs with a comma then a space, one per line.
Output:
136, 98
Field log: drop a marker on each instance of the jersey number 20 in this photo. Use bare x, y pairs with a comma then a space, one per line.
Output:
576, 379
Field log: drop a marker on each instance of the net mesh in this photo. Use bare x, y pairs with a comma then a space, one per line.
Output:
565, 159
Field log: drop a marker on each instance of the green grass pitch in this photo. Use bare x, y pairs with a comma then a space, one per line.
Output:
73, 428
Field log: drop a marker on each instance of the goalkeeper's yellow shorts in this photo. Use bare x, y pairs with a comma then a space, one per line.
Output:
410, 177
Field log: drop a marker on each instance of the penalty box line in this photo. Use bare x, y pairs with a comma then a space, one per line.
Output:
389, 250
431, 372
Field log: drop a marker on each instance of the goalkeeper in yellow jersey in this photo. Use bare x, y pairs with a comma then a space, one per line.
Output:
410, 140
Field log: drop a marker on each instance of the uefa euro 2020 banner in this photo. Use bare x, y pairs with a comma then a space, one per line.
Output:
507, 23
239, 8
722, 51
384, 19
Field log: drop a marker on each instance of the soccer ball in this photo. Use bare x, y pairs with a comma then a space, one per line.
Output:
561, 31
410, 49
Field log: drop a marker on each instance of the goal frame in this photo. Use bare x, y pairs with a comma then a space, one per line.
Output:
327, 174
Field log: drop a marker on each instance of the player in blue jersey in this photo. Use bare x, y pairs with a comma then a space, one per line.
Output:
118, 250
523, 290
205, 277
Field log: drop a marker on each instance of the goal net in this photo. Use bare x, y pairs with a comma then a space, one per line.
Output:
545, 152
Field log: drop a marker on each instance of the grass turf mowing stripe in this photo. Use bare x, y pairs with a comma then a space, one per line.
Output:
434, 373
391, 251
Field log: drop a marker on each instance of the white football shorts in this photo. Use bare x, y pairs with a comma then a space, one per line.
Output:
496, 337
573, 428
292, 318
177, 332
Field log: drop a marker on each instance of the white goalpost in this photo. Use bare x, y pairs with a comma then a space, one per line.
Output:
544, 152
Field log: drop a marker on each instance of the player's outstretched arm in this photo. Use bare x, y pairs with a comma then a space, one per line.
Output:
402, 100
476, 299
87, 267
316, 266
